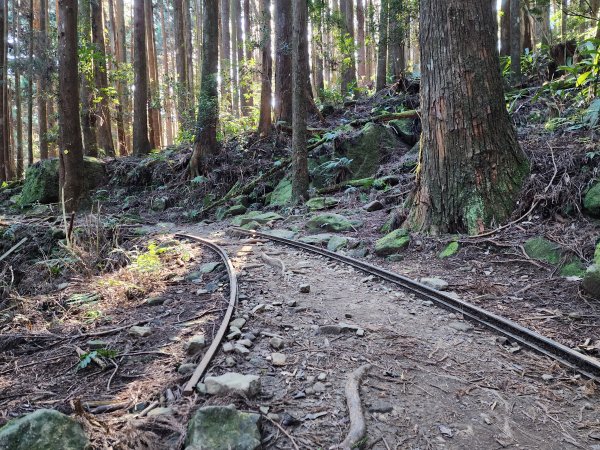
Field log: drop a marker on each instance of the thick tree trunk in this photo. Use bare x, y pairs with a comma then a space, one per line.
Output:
396, 41
4, 131
226, 97
543, 32
169, 131
283, 61
118, 18
236, 21
471, 167
189, 51
30, 81
383, 45
371, 52
141, 144
265, 120
505, 25
182, 88
88, 118
208, 109
299, 71
348, 85
104, 125
43, 80
515, 40
71, 147
154, 91
360, 41
247, 95
18, 103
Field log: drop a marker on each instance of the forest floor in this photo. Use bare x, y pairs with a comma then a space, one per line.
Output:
435, 382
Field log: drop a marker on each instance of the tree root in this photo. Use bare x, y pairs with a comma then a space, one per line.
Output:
358, 427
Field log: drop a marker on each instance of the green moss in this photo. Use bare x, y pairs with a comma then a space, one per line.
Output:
450, 250
362, 182
392, 243
591, 281
542, 250
474, 214
331, 222
256, 216
282, 195
318, 203
573, 269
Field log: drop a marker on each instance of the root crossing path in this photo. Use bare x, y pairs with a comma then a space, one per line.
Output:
435, 381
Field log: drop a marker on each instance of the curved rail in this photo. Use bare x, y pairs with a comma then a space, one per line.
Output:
233, 297
586, 365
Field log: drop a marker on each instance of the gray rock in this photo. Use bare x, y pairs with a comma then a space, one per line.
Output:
461, 326
186, 369
277, 343
316, 239
44, 429
381, 407
285, 234
245, 342
278, 359
136, 331
291, 303
258, 308
96, 344
196, 344
223, 428
227, 347
241, 350
375, 205
319, 387
161, 412
336, 243
210, 267
305, 288
322, 376
229, 361
238, 323
201, 388
435, 283
155, 301
233, 383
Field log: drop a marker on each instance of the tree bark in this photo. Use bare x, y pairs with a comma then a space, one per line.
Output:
4, 131
30, 81
18, 103
141, 144
471, 167
182, 88
118, 18
169, 130
505, 27
360, 41
265, 120
283, 61
348, 85
515, 41
226, 98
383, 46
71, 146
43, 79
188, 47
154, 90
396, 41
299, 99
208, 109
88, 118
247, 95
236, 21
104, 125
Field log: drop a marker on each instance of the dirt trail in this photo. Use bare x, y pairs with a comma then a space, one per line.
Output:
436, 381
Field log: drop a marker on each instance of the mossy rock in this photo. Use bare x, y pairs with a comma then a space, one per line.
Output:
222, 428
332, 222
406, 130
319, 203
386, 182
41, 180
591, 281
366, 183
316, 239
591, 201
255, 216
573, 269
44, 429
392, 243
282, 194
252, 225
449, 251
542, 250
336, 243
235, 210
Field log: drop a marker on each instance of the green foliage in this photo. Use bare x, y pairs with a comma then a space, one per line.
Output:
334, 171
87, 358
450, 250
149, 261
592, 114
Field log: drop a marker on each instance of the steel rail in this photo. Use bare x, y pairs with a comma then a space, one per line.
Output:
586, 365
233, 298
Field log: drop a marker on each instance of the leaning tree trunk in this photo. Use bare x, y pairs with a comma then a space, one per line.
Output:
299, 72
471, 167
70, 144
283, 61
141, 144
383, 46
208, 108
264, 121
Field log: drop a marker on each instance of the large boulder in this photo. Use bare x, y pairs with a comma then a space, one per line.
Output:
255, 216
591, 201
44, 429
223, 428
282, 195
332, 222
41, 180
392, 243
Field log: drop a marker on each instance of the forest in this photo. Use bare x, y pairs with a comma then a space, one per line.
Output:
299, 224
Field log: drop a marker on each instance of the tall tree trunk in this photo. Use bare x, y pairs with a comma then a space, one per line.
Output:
247, 96
360, 40
299, 72
189, 52
349, 61
283, 61
118, 18
208, 108
43, 80
515, 40
226, 97
396, 41
505, 27
543, 32
104, 125
30, 81
165, 58
71, 147
4, 131
182, 88
563, 21
264, 121
371, 52
382, 49
471, 167
236, 21
154, 91
88, 117
19, 112
141, 144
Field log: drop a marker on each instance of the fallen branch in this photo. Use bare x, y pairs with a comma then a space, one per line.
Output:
358, 427
13, 248
285, 433
382, 118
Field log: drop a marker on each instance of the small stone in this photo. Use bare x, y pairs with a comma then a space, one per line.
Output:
547, 377
201, 388
228, 347
274, 417
248, 385
258, 308
291, 303
461, 326
234, 333
96, 344
209, 267
245, 342
230, 361
319, 387
375, 205
381, 407
238, 323
277, 343
161, 412
310, 379
305, 288
309, 391
186, 369
360, 332
195, 344
278, 359
298, 395
435, 283
155, 301
249, 336
241, 350
264, 410
322, 376
136, 331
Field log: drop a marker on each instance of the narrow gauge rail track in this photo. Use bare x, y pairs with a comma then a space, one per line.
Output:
233, 298
586, 365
